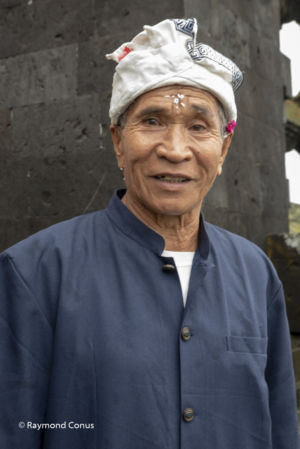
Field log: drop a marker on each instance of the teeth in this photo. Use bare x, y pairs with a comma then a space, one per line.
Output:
171, 179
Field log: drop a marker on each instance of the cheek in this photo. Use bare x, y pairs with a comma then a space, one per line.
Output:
208, 156
136, 151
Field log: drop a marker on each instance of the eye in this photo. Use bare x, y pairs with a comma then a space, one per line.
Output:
151, 121
198, 127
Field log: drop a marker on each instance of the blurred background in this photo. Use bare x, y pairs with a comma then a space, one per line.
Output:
56, 157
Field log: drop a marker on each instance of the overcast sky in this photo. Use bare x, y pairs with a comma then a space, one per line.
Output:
289, 45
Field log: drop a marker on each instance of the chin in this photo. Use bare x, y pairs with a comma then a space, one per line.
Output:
170, 209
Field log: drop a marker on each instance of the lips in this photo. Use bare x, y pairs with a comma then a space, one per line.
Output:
172, 178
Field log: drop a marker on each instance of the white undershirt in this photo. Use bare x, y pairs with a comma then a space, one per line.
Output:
183, 261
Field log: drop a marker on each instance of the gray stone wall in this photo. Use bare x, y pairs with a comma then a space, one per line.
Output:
56, 158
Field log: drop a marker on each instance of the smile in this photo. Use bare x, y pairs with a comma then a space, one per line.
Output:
171, 179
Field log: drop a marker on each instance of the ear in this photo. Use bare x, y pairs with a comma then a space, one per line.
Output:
225, 148
116, 132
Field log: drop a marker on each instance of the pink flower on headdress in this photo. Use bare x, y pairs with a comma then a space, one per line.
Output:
124, 53
230, 126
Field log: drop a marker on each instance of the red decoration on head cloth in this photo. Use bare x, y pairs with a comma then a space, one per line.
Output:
124, 53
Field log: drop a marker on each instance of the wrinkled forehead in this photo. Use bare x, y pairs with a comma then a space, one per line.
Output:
177, 96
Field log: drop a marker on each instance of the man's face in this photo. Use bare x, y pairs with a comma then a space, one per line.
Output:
171, 149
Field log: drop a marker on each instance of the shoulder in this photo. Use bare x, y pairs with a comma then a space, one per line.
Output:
241, 257
46, 264
233, 242
59, 241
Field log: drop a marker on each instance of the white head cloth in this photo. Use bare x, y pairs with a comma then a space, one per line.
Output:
166, 54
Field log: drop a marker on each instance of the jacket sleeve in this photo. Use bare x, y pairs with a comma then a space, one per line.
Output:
26, 341
280, 377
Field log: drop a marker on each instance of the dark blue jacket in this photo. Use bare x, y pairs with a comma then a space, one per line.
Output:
91, 342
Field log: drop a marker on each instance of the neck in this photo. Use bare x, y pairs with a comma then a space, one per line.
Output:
179, 232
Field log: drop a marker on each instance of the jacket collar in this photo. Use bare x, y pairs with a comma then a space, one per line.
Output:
135, 229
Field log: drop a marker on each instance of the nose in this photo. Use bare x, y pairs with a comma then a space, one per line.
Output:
174, 144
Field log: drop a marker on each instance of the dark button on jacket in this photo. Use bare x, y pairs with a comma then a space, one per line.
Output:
169, 268
186, 333
188, 414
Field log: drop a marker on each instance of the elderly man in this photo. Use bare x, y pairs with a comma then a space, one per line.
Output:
142, 326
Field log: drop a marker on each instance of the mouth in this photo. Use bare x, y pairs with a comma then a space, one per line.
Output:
172, 178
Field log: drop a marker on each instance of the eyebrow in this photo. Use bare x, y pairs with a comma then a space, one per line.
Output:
202, 110
151, 110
